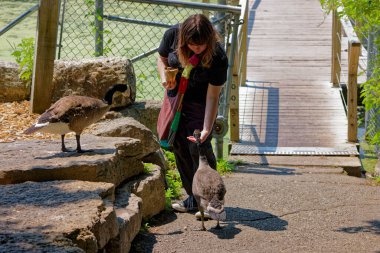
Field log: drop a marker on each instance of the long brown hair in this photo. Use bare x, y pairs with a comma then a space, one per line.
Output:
197, 29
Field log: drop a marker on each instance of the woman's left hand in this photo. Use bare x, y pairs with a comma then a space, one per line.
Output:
204, 135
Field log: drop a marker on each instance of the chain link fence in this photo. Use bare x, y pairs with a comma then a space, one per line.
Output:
372, 118
131, 29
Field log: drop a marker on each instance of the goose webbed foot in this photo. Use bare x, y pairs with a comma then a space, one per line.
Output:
79, 149
63, 147
217, 227
203, 228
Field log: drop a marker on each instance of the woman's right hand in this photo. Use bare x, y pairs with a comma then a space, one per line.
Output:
169, 84
170, 76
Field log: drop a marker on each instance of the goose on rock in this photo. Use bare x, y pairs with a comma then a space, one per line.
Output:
208, 188
75, 113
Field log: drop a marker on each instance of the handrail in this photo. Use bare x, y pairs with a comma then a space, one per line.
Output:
354, 47
239, 72
19, 19
202, 6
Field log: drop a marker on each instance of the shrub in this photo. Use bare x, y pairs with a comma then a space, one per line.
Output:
24, 53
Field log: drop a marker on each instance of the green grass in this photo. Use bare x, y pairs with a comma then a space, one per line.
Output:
369, 157
26, 29
225, 167
148, 168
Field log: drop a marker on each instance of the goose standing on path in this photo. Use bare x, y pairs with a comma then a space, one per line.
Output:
74, 114
208, 188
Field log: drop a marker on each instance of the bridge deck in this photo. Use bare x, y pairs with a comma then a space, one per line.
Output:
288, 102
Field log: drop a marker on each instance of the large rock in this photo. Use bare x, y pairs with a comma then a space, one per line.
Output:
12, 88
112, 160
128, 127
151, 189
128, 211
157, 158
139, 199
146, 112
92, 77
57, 216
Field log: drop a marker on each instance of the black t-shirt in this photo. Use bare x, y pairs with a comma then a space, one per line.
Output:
200, 77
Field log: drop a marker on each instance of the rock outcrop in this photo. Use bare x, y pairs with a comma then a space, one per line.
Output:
151, 190
146, 112
56, 216
12, 88
128, 127
87, 77
112, 160
88, 202
92, 77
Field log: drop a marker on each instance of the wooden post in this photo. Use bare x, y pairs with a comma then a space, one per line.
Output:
234, 101
234, 92
336, 49
239, 72
352, 92
44, 55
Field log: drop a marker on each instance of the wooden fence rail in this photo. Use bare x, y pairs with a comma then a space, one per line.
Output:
354, 47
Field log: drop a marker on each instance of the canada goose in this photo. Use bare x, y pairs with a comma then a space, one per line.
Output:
74, 114
208, 188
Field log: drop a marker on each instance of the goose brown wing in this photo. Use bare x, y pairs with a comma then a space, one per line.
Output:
67, 107
209, 184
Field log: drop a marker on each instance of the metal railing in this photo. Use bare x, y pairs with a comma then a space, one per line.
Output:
19, 19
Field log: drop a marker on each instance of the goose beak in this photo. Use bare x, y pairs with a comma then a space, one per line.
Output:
197, 135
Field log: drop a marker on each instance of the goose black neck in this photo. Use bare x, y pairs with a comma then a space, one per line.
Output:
202, 153
111, 90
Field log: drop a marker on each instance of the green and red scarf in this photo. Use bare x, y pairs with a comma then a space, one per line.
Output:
193, 62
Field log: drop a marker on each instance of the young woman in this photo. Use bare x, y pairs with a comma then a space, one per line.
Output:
195, 35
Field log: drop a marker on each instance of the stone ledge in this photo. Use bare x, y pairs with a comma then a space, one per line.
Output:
151, 189
77, 216
112, 160
57, 216
127, 127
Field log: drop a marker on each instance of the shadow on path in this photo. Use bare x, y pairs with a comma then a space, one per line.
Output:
236, 216
373, 227
252, 218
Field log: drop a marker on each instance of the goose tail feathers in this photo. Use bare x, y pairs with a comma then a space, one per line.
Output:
32, 129
217, 214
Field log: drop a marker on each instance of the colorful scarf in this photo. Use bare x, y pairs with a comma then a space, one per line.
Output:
193, 62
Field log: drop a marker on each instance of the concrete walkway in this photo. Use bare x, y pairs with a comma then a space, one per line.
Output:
278, 209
